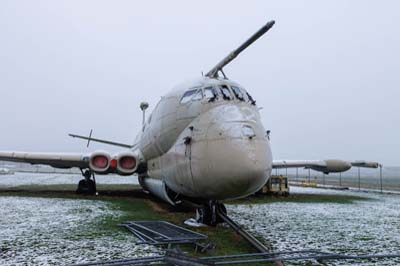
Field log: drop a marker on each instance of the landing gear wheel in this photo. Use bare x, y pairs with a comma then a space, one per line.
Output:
203, 215
208, 214
87, 186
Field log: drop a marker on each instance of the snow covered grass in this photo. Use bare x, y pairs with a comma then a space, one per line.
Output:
46, 231
26, 179
58, 231
363, 227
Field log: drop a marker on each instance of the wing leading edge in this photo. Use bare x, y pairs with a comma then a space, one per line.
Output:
57, 160
325, 166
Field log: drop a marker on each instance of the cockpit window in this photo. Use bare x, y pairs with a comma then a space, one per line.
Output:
198, 96
251, 100
238, 93
188, 96
226, 93
210, 93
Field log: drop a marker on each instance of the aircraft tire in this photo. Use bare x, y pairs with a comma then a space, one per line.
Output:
86, 187
205, 215
208, 214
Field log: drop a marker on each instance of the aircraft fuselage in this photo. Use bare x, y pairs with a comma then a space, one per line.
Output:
205, 140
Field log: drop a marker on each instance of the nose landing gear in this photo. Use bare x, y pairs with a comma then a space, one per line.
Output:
208, 214
213, 213
87, 186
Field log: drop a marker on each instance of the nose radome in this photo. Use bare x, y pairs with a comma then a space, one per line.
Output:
233, 162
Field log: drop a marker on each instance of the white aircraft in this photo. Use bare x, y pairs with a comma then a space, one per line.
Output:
204, 143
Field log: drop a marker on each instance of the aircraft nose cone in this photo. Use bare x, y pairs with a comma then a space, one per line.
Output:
235, 162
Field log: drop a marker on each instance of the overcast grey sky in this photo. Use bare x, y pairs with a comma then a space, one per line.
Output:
327, 74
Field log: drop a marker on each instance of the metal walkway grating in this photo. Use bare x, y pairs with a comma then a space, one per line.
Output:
162, 233
177, 258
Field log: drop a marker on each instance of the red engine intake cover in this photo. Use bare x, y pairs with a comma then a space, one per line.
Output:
100, 161
127, 162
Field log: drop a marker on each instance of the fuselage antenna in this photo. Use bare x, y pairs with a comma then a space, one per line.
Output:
213, 73
143, 107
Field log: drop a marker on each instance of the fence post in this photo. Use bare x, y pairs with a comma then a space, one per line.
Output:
340, 179
359, 187
380, 176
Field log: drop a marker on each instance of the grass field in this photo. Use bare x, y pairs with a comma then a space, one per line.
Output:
136, 205
132, 204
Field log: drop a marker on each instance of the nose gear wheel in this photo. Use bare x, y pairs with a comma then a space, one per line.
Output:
208, 214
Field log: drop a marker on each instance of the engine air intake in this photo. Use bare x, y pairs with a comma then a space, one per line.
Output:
127, 163
100, 162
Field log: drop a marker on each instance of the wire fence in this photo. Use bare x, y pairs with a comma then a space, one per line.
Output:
386, 178
382, 179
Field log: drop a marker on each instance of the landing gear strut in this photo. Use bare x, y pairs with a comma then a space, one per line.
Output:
208, 214
87, 186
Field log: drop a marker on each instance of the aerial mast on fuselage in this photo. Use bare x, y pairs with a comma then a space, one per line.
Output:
213, 73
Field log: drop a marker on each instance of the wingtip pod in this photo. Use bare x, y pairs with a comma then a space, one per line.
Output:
336, 166
366, 164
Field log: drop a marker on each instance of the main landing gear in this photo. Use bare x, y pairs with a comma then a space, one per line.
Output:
209, 213
87, 186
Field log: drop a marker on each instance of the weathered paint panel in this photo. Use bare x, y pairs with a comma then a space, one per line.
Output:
220, 162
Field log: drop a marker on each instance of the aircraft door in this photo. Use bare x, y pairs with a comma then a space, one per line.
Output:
183, 156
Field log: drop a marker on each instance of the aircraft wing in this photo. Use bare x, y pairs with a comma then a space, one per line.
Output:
325, 166
100, 162
57, 160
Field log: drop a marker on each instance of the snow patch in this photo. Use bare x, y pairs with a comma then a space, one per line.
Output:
41, 231
364, 227
21, 179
